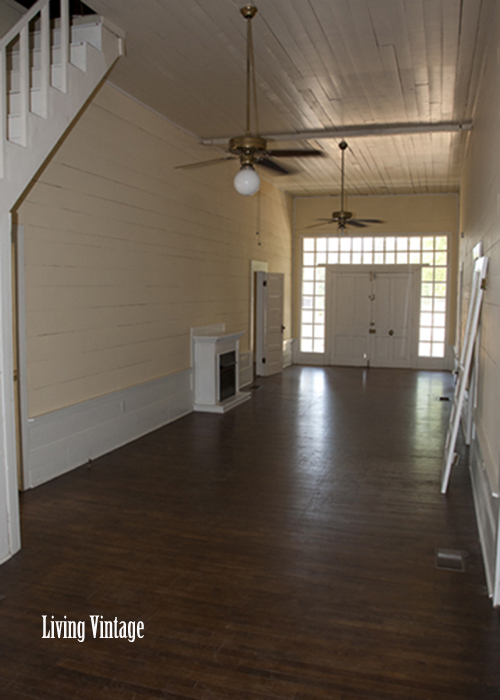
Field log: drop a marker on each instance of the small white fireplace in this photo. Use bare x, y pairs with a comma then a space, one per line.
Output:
216, 383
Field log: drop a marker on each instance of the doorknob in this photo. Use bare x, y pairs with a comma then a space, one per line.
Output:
391, 332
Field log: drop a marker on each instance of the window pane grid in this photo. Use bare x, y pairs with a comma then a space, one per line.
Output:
430, 251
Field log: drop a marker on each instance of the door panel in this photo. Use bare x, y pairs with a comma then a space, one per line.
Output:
269, 326
392, 313
349, 315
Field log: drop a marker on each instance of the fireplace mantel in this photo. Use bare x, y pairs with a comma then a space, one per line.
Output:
210, 344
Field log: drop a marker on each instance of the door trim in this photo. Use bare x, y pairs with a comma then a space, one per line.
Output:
9, 495
20, 340
255, 266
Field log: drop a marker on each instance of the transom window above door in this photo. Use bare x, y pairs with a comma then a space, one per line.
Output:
429, 251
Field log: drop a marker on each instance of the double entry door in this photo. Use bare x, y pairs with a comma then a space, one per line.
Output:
372, 315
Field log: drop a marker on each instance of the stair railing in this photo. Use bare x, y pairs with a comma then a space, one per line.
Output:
21, 30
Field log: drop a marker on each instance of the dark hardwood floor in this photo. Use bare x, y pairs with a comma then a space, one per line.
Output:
285, 550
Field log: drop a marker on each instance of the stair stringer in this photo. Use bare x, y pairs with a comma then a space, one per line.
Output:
23, 162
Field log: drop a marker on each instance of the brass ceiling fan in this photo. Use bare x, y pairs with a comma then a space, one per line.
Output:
344, 218
251, 149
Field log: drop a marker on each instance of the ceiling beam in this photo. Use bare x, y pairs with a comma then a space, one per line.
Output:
355, 131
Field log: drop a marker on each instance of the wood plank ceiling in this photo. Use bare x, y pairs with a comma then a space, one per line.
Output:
320, 65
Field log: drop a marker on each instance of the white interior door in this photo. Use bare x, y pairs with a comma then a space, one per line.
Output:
269, 323
371, 315
348, 315
255, 266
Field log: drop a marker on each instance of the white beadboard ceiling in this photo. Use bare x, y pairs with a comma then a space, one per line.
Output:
320, 65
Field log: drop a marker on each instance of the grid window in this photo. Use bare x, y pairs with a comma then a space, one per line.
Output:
430, 251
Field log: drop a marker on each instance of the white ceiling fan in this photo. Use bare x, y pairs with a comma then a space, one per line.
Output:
252, 149
344, 218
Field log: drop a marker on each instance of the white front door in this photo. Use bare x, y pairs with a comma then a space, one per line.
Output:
391, 344
269, 323
371, 315
348, 316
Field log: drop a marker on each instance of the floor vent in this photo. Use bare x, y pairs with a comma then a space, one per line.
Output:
450, 559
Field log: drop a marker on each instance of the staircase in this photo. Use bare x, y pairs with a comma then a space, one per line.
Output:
48, 71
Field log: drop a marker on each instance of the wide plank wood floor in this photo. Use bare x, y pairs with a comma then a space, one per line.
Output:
283, 551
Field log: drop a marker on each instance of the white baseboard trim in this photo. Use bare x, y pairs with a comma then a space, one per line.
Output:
245, 368
63, 440
487, 509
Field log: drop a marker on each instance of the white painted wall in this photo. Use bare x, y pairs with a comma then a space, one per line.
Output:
480, 222
124, 254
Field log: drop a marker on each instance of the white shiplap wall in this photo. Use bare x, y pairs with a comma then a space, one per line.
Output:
480, 222
124, 254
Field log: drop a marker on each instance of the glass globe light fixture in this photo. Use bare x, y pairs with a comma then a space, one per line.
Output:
246, 181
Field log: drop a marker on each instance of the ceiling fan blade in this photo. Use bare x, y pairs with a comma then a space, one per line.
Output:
203, 163
295, 153
355, 222
323, 223
370, 221
271, 165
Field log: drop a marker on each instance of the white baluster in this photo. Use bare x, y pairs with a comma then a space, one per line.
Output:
65, 38
24, 84
45, 58
3, 108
